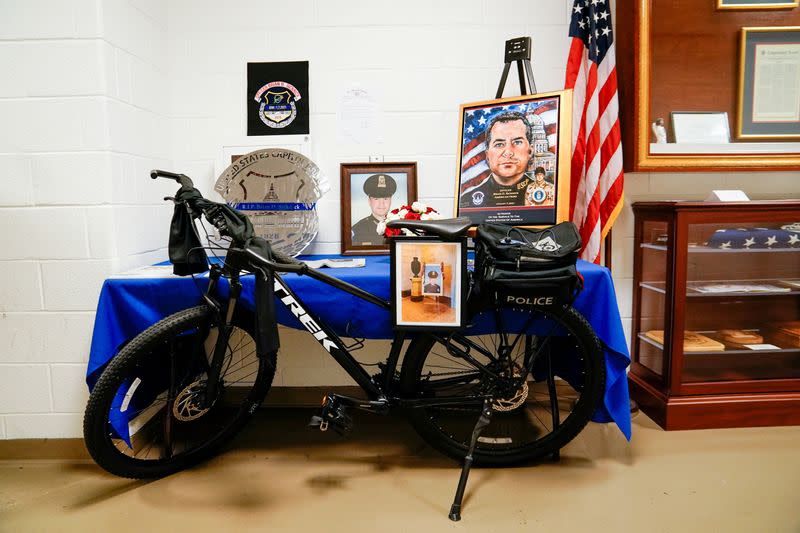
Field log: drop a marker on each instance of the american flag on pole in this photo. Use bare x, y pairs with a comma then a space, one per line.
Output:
596, 175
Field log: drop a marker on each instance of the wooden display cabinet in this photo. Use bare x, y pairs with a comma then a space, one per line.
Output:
703, 268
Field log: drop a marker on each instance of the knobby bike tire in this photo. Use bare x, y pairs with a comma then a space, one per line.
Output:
523, 433
174, 345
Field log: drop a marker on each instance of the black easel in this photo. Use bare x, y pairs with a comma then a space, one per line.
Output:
518, 50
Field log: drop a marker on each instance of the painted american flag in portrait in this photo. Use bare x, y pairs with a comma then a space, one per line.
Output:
541, 114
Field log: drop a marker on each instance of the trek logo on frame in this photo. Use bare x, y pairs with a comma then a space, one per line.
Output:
304, 317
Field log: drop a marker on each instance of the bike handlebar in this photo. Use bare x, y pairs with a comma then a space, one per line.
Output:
183, 179
280, 261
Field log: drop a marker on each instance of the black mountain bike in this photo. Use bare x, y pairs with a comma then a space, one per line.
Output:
177, 392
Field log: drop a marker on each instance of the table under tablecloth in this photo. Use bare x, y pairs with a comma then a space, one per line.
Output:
130, 304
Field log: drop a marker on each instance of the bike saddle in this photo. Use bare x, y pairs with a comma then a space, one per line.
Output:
448, 228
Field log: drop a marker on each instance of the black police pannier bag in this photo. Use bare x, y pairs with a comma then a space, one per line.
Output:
516, 266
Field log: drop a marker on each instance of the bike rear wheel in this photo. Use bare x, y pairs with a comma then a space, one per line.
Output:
147, 415
533, 417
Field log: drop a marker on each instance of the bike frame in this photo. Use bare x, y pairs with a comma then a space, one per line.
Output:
377, 391
381, 393
328, 339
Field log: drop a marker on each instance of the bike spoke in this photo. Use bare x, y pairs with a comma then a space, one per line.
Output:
165, 424
523, 414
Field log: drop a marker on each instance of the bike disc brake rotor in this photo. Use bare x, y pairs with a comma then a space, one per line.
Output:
187, 404
515, 400
509, 404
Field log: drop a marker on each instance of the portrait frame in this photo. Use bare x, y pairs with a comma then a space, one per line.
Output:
726, 5
759, 47
699, 127
353, 210
550, 118
447, 311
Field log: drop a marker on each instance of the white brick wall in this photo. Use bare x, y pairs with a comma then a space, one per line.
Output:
26, 389
20, 286
43, 425
31, 337
96, 93
71, 178
48, 19
84, 120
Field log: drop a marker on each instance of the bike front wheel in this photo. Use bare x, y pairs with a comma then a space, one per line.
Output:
149, 415
535, 414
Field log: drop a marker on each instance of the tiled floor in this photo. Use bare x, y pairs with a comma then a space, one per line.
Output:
282, 477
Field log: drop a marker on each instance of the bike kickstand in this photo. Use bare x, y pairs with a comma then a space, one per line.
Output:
483, 421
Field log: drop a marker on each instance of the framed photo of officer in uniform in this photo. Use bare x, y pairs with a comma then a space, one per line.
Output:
369, 192
514, 160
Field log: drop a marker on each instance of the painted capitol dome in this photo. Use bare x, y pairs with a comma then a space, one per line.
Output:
542, 156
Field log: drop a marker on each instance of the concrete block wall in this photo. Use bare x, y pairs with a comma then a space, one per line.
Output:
95, 93
419, 59
83, 122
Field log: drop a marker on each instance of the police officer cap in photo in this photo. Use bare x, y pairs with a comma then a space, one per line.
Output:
380, 186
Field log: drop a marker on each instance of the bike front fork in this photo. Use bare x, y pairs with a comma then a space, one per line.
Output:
224, 329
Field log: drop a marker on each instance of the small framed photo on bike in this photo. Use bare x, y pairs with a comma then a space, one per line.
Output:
428, 283
514, 160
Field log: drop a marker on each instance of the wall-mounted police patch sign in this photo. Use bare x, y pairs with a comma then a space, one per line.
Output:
277, 98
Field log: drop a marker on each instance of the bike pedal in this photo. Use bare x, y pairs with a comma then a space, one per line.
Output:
342, 422
334, 416
316, 423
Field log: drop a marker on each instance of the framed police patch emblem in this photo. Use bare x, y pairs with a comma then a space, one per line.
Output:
277, 98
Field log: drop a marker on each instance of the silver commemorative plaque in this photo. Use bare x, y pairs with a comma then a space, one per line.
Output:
278, 190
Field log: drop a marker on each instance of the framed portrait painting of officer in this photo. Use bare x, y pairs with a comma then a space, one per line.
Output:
369, 192
514, 160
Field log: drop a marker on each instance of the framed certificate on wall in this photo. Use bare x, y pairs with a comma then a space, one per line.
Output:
769, 84
756, 4
700, 128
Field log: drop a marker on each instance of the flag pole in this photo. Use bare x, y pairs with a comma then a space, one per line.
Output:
607, 250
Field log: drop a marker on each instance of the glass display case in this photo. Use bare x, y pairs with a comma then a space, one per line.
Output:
716, 313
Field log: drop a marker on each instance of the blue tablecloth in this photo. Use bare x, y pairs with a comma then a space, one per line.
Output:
128, 305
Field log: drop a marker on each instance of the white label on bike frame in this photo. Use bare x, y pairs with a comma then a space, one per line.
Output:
303, 316
128, 395
495, 440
